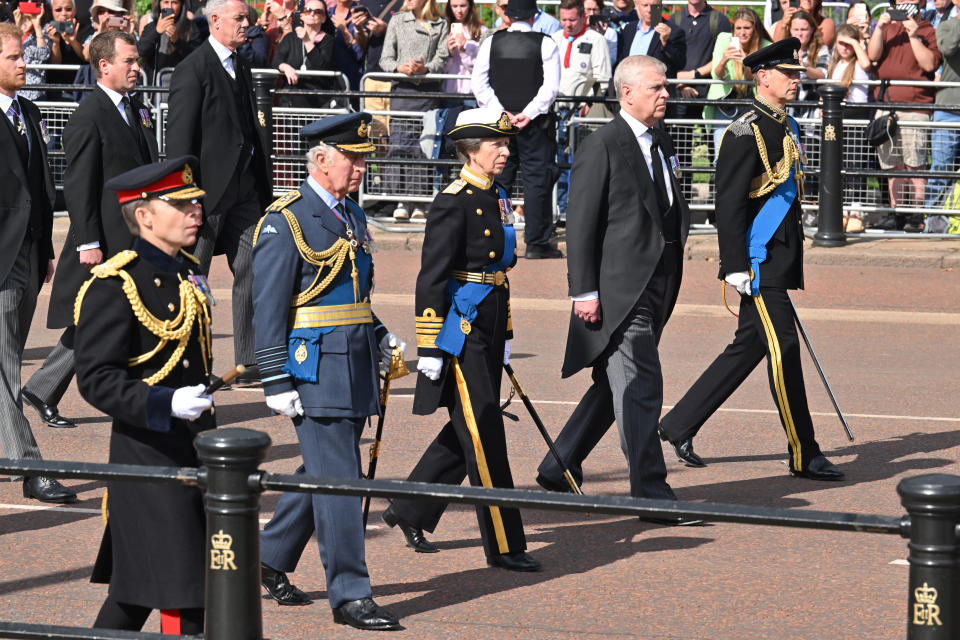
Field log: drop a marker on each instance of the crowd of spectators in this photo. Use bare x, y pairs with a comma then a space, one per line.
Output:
909, 41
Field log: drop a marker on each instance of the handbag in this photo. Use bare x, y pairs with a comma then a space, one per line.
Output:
881, 129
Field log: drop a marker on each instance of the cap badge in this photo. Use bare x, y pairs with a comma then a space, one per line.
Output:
504, 123
796, 55
187, 175
363, 129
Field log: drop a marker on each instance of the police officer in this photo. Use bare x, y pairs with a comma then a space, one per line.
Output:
518, 70
318, 345
463, 332
759, 188
143, 352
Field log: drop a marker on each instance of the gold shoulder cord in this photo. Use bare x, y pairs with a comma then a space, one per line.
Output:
791, 158
193, 306
332, 258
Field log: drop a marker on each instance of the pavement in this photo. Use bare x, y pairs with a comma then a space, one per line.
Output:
883, 317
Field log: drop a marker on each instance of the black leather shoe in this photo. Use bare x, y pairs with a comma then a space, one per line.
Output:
550, 485
541, 252
47, 489
49, 415
516, 561
819, 469
684, 450
414, 536
278, 586
673, 521
367, 615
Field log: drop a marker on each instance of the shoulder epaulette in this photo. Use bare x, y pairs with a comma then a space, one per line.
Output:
285, 200
114, 263
456, 186
741, 126
189, 256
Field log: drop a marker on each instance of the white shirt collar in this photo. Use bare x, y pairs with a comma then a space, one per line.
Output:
635, 125
520, 26
5, 102
223, 52
327, 197
115, 97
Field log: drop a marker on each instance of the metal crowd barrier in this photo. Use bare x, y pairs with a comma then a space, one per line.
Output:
232, 484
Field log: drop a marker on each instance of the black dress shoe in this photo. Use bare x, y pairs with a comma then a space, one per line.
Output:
550, 485
414, 536
516, 561
47, 489
278, 586
684, 450
819, 469
367, 615
49, 415
541, 252
673, 521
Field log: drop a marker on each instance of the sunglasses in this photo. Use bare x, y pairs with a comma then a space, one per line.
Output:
316, 12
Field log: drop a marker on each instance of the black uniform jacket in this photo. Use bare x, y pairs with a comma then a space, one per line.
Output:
614, 234
99, 145
740, 171
152, 552
16, 196
464, 232
204, 121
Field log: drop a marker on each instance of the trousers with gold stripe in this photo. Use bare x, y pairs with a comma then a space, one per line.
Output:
472, 443
766, 329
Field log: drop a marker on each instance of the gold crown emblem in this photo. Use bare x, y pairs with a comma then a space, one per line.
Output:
222, 540
363, 129
504, 122
796, 55
187, 175
925, 594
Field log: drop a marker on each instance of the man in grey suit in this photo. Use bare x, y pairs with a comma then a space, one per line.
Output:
26, 253
626, 229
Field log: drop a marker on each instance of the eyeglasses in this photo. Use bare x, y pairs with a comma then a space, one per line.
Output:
316, 12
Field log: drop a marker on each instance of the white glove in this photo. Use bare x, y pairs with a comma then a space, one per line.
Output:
189, 402
506, 352
740, 280
387, 345
430, 367
286, 403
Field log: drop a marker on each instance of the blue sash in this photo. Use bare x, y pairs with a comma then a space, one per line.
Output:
770, 217
465, 296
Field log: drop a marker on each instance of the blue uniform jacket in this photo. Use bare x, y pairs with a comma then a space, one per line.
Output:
346, 357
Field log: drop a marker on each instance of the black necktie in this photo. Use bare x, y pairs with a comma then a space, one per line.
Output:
659, 181
134, 122
20, 128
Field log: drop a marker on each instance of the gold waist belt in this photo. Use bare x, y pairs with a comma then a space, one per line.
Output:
497, 279
332, 316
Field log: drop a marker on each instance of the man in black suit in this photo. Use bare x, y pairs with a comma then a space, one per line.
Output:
213, 116
655, 40
624, 264
26, 252
759, 178
108, 134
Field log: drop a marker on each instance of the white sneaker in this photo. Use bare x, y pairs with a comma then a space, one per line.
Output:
418, 214
401, 213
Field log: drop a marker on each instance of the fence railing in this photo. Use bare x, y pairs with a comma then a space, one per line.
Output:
232, 484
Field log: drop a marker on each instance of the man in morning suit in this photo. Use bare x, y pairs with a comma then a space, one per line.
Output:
759, 183
108, 134
624, 264
213, 116
318, 348
26, 253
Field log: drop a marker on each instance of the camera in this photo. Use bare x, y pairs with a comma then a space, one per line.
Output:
295, 20
597, 19
62, 26
117, 22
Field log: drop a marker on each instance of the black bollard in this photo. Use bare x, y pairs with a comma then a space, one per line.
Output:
262, 86
830, 227
933, 504
232, 500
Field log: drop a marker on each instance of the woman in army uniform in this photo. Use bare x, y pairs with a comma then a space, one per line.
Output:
143, 355
463, 333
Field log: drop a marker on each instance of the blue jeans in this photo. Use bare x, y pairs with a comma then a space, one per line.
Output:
945, 145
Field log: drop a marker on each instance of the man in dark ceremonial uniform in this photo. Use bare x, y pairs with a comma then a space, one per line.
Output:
463, 334
109, 133
759, 188
143, 353
318, 345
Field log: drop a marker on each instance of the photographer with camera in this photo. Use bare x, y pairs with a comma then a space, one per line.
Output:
598, 19
168, 34
66, 38
904, 47
30, 18
106, 15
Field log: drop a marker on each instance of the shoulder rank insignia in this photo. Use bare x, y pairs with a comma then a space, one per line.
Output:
283, 201
268, 229
114, 264
189, 256
456, 186
741, 126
